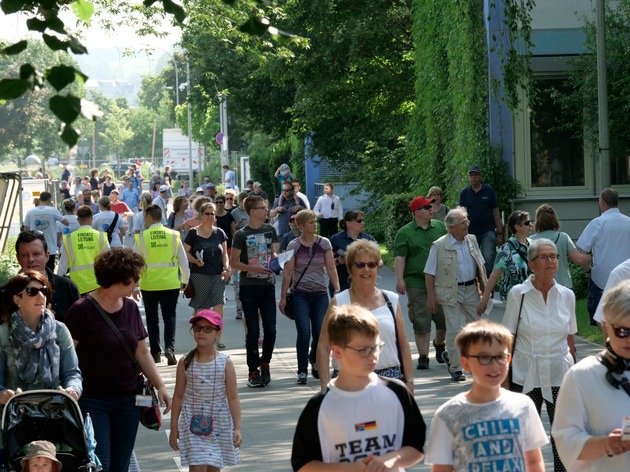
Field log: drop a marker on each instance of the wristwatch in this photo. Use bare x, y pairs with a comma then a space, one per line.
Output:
408, 381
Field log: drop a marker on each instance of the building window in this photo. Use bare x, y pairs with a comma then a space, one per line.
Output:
556, 145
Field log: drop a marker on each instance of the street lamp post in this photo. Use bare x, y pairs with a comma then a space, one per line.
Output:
190, 160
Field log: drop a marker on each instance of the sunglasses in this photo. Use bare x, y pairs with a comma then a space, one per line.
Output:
33, 291
370, 265
621, 332
208, 214
205, 329
229, 199
526, 223
359, 221
219, 202
426, 207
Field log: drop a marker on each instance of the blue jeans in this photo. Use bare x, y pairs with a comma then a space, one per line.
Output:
309, 310
488, 246
593, 297
115, 427
259, 299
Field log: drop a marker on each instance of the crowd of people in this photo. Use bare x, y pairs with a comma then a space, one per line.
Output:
448, 263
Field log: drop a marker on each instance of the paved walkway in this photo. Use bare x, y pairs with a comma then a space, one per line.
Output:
269, 414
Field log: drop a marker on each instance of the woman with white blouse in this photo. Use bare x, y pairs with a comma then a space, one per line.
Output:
541, 314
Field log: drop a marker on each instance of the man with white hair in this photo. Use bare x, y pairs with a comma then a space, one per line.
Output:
455, 274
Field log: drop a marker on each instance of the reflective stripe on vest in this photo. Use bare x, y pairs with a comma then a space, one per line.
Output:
82, 249
159, 248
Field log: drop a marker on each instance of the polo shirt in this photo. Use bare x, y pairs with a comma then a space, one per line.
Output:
414, 243
479, 206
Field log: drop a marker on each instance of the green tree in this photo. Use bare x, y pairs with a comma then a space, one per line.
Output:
116, 132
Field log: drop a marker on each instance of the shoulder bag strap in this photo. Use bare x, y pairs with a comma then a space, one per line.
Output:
391, 310
519, 250
116, 331
112, 227
304, 271
518, 323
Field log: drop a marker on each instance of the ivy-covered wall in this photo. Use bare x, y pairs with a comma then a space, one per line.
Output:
449, 128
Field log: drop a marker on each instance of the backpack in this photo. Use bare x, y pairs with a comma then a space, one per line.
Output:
112, 228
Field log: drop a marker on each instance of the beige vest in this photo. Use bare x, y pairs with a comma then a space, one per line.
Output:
446, 274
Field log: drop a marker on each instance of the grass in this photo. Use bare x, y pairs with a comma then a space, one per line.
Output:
585, 330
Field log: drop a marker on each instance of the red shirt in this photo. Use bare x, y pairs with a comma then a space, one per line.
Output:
119, 207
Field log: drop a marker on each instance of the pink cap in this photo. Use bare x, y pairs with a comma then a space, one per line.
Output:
208, 315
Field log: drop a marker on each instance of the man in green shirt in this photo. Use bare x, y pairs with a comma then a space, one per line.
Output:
411, 249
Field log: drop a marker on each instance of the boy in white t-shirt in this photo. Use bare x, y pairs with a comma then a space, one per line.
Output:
486, 428
361, 417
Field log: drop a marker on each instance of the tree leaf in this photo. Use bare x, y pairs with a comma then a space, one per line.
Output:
255, 26
35, 24
83, 10
148, 3
90, 110
11, 6
76, 47
15, 48
229, 2
69, 135
66, 108
55, 43
60, 76
56, 24
12, 88
26, 71
174, 9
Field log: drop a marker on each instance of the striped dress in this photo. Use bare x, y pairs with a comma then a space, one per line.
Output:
216, 449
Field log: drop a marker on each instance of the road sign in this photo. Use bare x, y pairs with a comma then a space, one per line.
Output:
219, 138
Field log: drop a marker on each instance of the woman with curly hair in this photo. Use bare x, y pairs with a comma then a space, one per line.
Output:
110, 379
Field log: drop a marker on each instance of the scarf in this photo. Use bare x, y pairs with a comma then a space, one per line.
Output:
36, 354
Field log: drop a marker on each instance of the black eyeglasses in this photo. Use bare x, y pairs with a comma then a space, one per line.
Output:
33, 291
547, 257
219, 202
426, 207
359, 221
526, 223
486, 359
621, 332
361, 265
229, 198
208, 214
205, 329
367, 351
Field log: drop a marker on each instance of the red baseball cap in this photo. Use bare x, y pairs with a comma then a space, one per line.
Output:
419, 202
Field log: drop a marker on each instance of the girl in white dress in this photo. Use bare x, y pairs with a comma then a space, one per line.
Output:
206, 411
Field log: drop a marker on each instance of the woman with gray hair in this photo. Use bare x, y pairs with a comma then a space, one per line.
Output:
595, 397
541, 315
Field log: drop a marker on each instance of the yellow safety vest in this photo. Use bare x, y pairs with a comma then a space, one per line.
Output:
82, 247
159, 248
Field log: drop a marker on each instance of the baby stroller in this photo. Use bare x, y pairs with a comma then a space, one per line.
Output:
52, 415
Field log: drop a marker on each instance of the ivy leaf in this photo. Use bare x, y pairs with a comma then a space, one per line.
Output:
35, 24
76, 47
255, 26
11, 6
12, 88
60, 76
66, 108
68, 134
15, 48
55, 43
83, 10
174, 9
148, 3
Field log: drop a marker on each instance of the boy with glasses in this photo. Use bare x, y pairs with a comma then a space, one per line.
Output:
488, 427
361, 417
